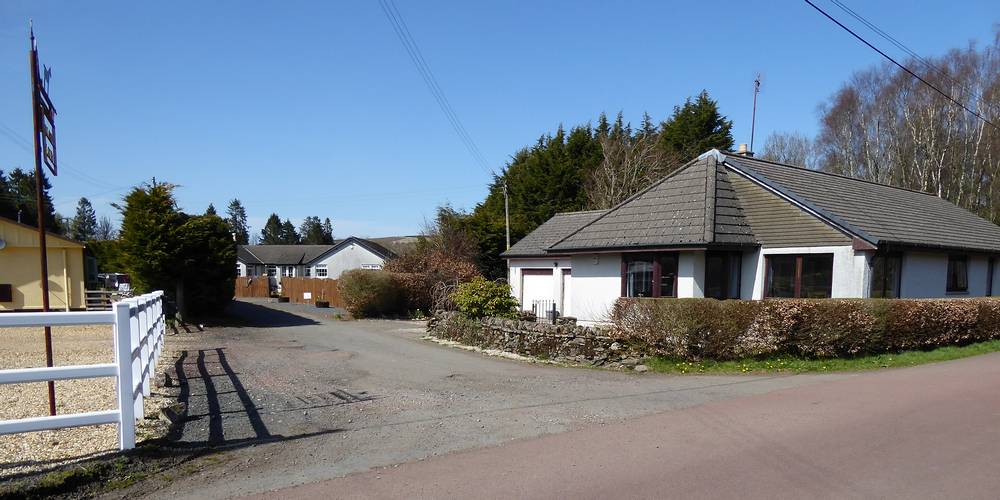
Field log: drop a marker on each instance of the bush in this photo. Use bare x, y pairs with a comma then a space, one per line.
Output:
481, 298
370, 293
420, 271
697, 329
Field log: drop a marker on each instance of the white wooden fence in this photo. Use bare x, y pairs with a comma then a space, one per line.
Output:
138, 340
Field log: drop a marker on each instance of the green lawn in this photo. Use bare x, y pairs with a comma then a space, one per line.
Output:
798, 365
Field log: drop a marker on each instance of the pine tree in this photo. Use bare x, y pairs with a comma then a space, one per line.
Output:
150, 222
696, 127
22, 187
236, 217
83, 226
8, 203
312, 231
289, 236
211, 210
272, 232
327, 232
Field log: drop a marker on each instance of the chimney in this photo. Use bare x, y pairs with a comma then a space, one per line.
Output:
744, 151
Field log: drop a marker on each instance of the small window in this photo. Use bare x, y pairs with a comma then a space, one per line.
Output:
272, 271
958, 273
321, 271
288, 271
886, 273
239, 270
808, 276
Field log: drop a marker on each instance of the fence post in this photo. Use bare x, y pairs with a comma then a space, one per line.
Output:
135, 359
123, 360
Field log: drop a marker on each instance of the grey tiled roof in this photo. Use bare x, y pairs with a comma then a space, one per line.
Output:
292, 255
695, 205
878, 213
287, 255
553, 230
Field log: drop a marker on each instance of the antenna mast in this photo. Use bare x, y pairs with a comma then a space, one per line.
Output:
753, 117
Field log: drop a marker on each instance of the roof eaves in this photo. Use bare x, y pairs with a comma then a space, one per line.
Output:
802, 203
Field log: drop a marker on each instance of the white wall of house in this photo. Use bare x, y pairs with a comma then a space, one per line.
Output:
850, 271
690, 274
749, 273
597, 284
351, 256
527, 287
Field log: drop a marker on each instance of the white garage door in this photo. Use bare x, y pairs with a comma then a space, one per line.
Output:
536, 285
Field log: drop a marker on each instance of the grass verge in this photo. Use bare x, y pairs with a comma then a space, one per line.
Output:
788, 364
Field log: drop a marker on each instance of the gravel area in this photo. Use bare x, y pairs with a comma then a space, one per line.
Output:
25, 348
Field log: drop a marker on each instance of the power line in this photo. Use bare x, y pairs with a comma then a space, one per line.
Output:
904, 68
917, 57
402, 31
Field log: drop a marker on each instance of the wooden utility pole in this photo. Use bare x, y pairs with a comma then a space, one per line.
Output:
753, 117
43, 114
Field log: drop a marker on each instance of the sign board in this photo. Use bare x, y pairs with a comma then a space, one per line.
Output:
48, 132
307, 295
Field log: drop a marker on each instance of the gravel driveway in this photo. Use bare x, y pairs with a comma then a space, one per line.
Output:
295, 398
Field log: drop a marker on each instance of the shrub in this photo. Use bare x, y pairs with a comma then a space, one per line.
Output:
481, 298
370, 293
419, 272
734, 329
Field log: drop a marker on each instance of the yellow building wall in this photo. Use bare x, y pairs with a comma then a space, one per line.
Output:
20, 268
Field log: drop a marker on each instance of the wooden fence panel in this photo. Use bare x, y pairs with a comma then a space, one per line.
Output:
252, 287
318, 288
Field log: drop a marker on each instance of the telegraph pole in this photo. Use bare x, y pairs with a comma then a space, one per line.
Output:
753, 117
43, 116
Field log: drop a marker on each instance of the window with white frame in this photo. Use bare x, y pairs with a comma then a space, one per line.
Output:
239, 270
321, 270
272, 271
288, 271
307, 271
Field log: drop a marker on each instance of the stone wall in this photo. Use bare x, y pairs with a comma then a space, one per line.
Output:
564, 342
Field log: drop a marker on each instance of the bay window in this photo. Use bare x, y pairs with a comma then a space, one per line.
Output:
649, 275
808, 276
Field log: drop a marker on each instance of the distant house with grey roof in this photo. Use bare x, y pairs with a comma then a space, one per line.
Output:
317, 261
729, 226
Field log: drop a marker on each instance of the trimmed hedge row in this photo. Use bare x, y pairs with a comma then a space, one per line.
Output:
696, 329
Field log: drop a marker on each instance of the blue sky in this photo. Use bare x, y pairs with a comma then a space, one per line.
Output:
314, 108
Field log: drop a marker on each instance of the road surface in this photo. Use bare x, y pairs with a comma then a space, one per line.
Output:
931, 431
290, 398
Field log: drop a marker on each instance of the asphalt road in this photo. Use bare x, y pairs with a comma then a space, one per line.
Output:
292, 399
926, 432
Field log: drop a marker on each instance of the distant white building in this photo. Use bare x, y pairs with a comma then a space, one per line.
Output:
316, 261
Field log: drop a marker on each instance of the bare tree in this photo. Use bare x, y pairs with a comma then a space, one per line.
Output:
105, 230
885, 126
631, 163
791, 148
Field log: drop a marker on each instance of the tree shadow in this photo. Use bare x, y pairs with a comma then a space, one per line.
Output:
241, 313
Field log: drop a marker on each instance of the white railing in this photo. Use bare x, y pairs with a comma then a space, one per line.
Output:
138, 340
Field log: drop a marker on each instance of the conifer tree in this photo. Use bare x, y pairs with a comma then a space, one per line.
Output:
272, 232
83, 226
236, 217
211, 210
696, 127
